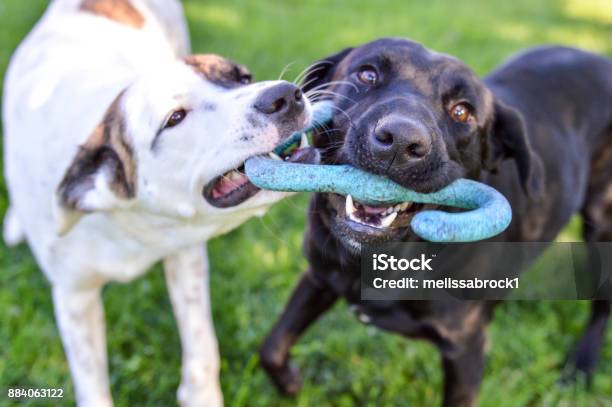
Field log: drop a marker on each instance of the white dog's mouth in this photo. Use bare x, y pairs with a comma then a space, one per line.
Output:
233, 187
230, 189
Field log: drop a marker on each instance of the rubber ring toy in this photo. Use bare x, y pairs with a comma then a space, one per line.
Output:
487, 214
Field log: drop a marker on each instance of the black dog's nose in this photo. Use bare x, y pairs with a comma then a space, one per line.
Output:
282, 99
400, 141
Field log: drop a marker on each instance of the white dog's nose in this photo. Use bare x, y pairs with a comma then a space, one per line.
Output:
284, 99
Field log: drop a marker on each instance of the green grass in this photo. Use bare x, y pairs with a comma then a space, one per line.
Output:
255, 267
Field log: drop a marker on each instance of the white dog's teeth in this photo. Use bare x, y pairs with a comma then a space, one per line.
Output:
274, 156
235, 176
349, 206
388, 220
405, 205
304, 141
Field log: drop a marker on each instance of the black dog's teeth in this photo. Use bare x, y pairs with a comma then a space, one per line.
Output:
380, 217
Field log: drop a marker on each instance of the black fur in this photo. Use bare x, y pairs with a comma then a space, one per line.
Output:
541, 134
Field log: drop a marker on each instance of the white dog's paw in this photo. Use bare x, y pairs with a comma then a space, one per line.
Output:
200, 387
102, 400
208, 395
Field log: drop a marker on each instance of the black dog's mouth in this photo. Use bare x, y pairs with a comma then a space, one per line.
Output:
381, 216
356, 223
376, 217
233, 187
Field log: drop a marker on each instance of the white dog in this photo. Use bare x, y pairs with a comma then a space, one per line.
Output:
120, 151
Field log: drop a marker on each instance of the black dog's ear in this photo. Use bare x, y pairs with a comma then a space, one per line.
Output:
508, 139
323, 70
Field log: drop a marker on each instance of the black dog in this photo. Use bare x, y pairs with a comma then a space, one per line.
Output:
538, 129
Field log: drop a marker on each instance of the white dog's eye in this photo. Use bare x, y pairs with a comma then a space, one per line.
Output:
175, 118
245, 79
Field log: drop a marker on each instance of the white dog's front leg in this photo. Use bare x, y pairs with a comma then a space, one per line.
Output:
80, 318
187, 279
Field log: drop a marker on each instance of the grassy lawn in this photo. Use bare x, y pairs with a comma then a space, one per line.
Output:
255, 267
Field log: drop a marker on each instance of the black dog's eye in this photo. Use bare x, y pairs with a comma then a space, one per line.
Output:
368, 75
175, 118
461, 112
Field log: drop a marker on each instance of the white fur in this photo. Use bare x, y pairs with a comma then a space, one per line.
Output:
59, 83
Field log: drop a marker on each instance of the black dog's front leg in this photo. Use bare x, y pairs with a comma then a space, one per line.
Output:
463, 371
586, 354
309, 300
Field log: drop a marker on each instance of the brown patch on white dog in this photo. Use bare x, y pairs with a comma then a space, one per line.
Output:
120, 11
106, 153
219, 70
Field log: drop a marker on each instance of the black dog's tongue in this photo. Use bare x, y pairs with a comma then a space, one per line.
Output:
305, 155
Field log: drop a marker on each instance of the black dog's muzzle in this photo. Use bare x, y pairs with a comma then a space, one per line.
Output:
398, 138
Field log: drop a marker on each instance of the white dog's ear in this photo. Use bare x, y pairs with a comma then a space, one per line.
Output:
101, 176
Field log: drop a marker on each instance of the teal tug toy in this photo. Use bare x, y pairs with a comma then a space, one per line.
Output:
488, 212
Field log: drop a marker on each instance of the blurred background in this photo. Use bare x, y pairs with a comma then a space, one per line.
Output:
254, 268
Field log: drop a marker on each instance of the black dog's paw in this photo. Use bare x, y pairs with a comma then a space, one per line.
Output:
571, 376
582, 362
581, 366
285, 375
290, 382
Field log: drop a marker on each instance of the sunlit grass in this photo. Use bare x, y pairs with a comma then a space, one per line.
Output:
216, 15
590, 10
